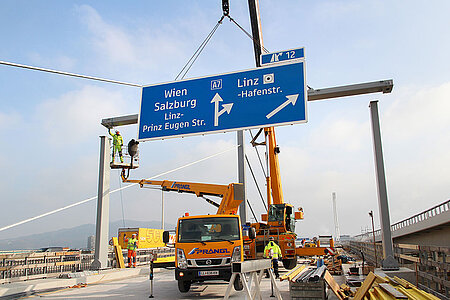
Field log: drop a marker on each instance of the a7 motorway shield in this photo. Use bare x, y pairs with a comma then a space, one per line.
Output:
260, 97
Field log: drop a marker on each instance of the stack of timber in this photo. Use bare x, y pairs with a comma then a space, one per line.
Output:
376, 287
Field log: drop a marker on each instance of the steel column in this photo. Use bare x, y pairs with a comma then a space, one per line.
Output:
241, 175
102, 223
162, 209
255, 21
388, 262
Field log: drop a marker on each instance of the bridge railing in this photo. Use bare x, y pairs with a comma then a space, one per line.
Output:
431, 264
415, 219
144, 256
35, 265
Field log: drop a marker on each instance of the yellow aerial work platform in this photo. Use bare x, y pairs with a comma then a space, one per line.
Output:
147, 237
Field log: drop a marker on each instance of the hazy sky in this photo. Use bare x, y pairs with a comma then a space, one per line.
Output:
50, 124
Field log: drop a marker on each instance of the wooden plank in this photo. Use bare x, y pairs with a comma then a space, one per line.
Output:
365, 286
414, 293
404, 283
392, 291
291, 274
334, 286
118, 253
409, 257
408, 246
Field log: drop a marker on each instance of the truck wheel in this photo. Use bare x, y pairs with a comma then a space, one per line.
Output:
289, 263
184, 286
238, 286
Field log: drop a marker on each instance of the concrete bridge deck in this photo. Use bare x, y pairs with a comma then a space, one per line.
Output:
132, 284
430, 227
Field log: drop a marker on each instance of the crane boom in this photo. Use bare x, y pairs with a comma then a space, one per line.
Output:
274, 166
231, 194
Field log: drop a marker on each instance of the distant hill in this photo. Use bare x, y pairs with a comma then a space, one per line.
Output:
75, 237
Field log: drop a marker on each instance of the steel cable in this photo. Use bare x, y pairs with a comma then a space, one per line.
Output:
66, 73
259, 157
121, 198
248, 34
256, 182
199, 50
116, 190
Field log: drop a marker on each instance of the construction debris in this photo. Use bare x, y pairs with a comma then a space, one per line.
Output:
334, 266
309, 282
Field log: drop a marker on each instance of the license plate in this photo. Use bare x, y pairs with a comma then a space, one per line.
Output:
208, 273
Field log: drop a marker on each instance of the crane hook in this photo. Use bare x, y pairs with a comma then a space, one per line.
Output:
125, 177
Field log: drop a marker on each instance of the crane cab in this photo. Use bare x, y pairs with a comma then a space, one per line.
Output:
282, 217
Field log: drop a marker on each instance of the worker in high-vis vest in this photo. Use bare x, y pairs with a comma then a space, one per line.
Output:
273, 251
117, 144
132, 246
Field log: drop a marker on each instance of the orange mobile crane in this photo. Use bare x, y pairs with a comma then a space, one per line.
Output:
280, 218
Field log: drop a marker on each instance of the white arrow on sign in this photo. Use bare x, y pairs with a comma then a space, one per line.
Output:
217, 113
275, 57
291, 99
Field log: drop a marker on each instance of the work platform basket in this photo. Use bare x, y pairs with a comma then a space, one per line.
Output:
127, 163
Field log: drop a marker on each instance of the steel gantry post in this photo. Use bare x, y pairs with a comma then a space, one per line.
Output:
257, 42
241, 175
388, 262
102, 223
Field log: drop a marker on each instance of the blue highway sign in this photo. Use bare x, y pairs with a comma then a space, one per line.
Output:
282, 56
261, 97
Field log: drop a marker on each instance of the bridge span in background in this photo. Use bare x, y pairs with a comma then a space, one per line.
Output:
430, 227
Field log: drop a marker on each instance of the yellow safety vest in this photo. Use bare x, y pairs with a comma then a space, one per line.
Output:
132, 244
117, 140
276, 251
